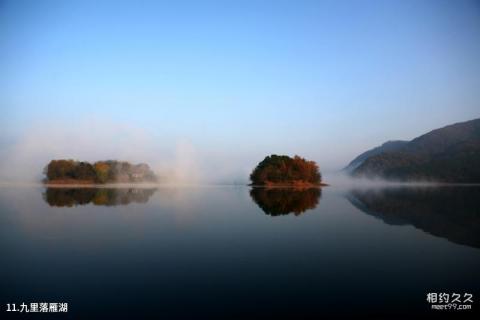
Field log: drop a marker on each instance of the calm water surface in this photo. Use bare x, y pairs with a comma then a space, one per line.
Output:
237, 252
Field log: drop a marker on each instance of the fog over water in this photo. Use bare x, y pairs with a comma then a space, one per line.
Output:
177, 161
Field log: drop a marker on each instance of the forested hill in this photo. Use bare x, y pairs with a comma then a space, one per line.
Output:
448, 154
386, 147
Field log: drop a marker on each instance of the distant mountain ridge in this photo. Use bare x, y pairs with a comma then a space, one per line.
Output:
387, 146
448, 154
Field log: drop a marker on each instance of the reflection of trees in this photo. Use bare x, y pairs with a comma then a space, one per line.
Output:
69, 197
282, 201
449, 212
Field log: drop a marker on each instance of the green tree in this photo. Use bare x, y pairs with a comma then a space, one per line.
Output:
60, 169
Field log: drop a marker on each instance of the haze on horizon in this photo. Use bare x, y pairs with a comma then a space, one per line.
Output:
203, 90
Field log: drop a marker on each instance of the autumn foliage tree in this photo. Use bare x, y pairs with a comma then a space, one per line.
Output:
284, 170
70, 171
102, 171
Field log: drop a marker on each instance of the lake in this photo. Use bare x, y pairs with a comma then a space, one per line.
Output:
237, 252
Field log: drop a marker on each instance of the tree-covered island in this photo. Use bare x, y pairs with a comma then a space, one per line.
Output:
283, 170
101, 172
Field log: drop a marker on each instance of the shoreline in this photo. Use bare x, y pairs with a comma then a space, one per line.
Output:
289, 185
99, 185
357, 184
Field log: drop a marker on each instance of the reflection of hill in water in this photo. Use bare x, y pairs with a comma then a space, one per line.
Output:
449, 212
69, 197
282, 201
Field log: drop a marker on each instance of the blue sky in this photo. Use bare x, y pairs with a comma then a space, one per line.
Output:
237, 80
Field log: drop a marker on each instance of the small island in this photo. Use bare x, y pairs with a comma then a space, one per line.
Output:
101, 172
284, 171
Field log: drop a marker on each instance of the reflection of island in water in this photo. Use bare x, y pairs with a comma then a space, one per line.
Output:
448, 212
69, 197
282, 201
